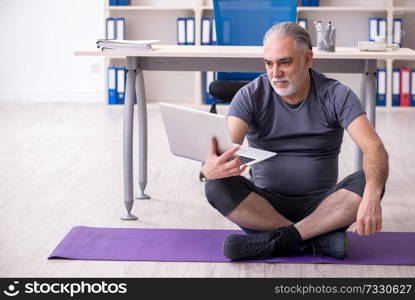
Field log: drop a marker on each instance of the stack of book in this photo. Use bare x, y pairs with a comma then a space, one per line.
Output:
139, 45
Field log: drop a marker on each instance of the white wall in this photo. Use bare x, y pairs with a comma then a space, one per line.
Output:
38, 38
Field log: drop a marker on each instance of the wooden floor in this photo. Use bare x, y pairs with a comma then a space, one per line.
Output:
61, 166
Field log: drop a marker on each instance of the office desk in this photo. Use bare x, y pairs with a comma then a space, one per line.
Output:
222, 58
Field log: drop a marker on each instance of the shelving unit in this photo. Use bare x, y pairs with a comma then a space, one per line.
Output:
160, 15
341, 8
113, 8
350, 32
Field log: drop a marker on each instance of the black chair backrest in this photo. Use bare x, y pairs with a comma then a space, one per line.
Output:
225, 90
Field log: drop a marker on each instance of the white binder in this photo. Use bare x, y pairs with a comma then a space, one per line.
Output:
397, 31
121, 72
120, 27
213, 32
210, 76
381, 88
190, 31
396, 87
112, 85
181, 31
382, 28
206, 31
373, 28
110, 29
303, 23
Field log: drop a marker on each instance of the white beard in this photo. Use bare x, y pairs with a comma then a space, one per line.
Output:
291, 89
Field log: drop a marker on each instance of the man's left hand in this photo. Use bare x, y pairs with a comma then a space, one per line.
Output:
369, 217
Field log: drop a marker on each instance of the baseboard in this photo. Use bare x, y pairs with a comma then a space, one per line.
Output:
36, 96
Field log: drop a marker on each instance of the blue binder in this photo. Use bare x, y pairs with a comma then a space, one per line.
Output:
181, 31
381, 87
310, 2
121, 80
113, 2
396, 101
123, 2
237, 25
413, 87
112, 85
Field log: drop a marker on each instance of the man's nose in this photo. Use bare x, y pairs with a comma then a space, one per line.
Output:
276, 71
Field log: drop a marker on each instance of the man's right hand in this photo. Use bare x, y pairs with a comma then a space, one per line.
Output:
226, 165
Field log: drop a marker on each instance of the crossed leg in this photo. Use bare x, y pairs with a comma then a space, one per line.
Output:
336, 211
255, 213
252, 211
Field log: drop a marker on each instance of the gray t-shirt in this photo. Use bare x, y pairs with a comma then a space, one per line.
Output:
307, 140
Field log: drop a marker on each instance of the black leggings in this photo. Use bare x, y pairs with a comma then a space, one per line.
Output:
226, 194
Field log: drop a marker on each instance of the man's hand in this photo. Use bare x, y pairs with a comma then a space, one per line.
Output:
376, 169
226, 165
369, 217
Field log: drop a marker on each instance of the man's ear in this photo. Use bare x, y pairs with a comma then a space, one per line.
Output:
308, 58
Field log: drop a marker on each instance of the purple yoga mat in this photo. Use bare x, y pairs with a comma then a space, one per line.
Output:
202, 245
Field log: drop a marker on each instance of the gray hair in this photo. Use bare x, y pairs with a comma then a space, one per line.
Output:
293, 30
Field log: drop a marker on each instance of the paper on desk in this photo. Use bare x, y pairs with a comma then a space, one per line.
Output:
141, 45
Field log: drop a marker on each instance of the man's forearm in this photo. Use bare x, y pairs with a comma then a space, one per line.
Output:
376, 168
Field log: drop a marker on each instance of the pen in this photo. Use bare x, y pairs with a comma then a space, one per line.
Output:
329, 26
331, 32
317, 24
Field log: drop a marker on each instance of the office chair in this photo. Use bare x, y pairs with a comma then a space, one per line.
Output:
244, 23
224, 91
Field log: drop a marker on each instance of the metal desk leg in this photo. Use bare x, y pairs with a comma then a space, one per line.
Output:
128, 138
371, 91
368, 99
359, 156
142, 134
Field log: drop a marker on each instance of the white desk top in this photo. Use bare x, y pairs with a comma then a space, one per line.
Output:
246, 52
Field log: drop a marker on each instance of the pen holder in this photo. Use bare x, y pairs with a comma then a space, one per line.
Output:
326, 40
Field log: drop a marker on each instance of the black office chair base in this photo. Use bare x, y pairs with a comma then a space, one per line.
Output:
213, 109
